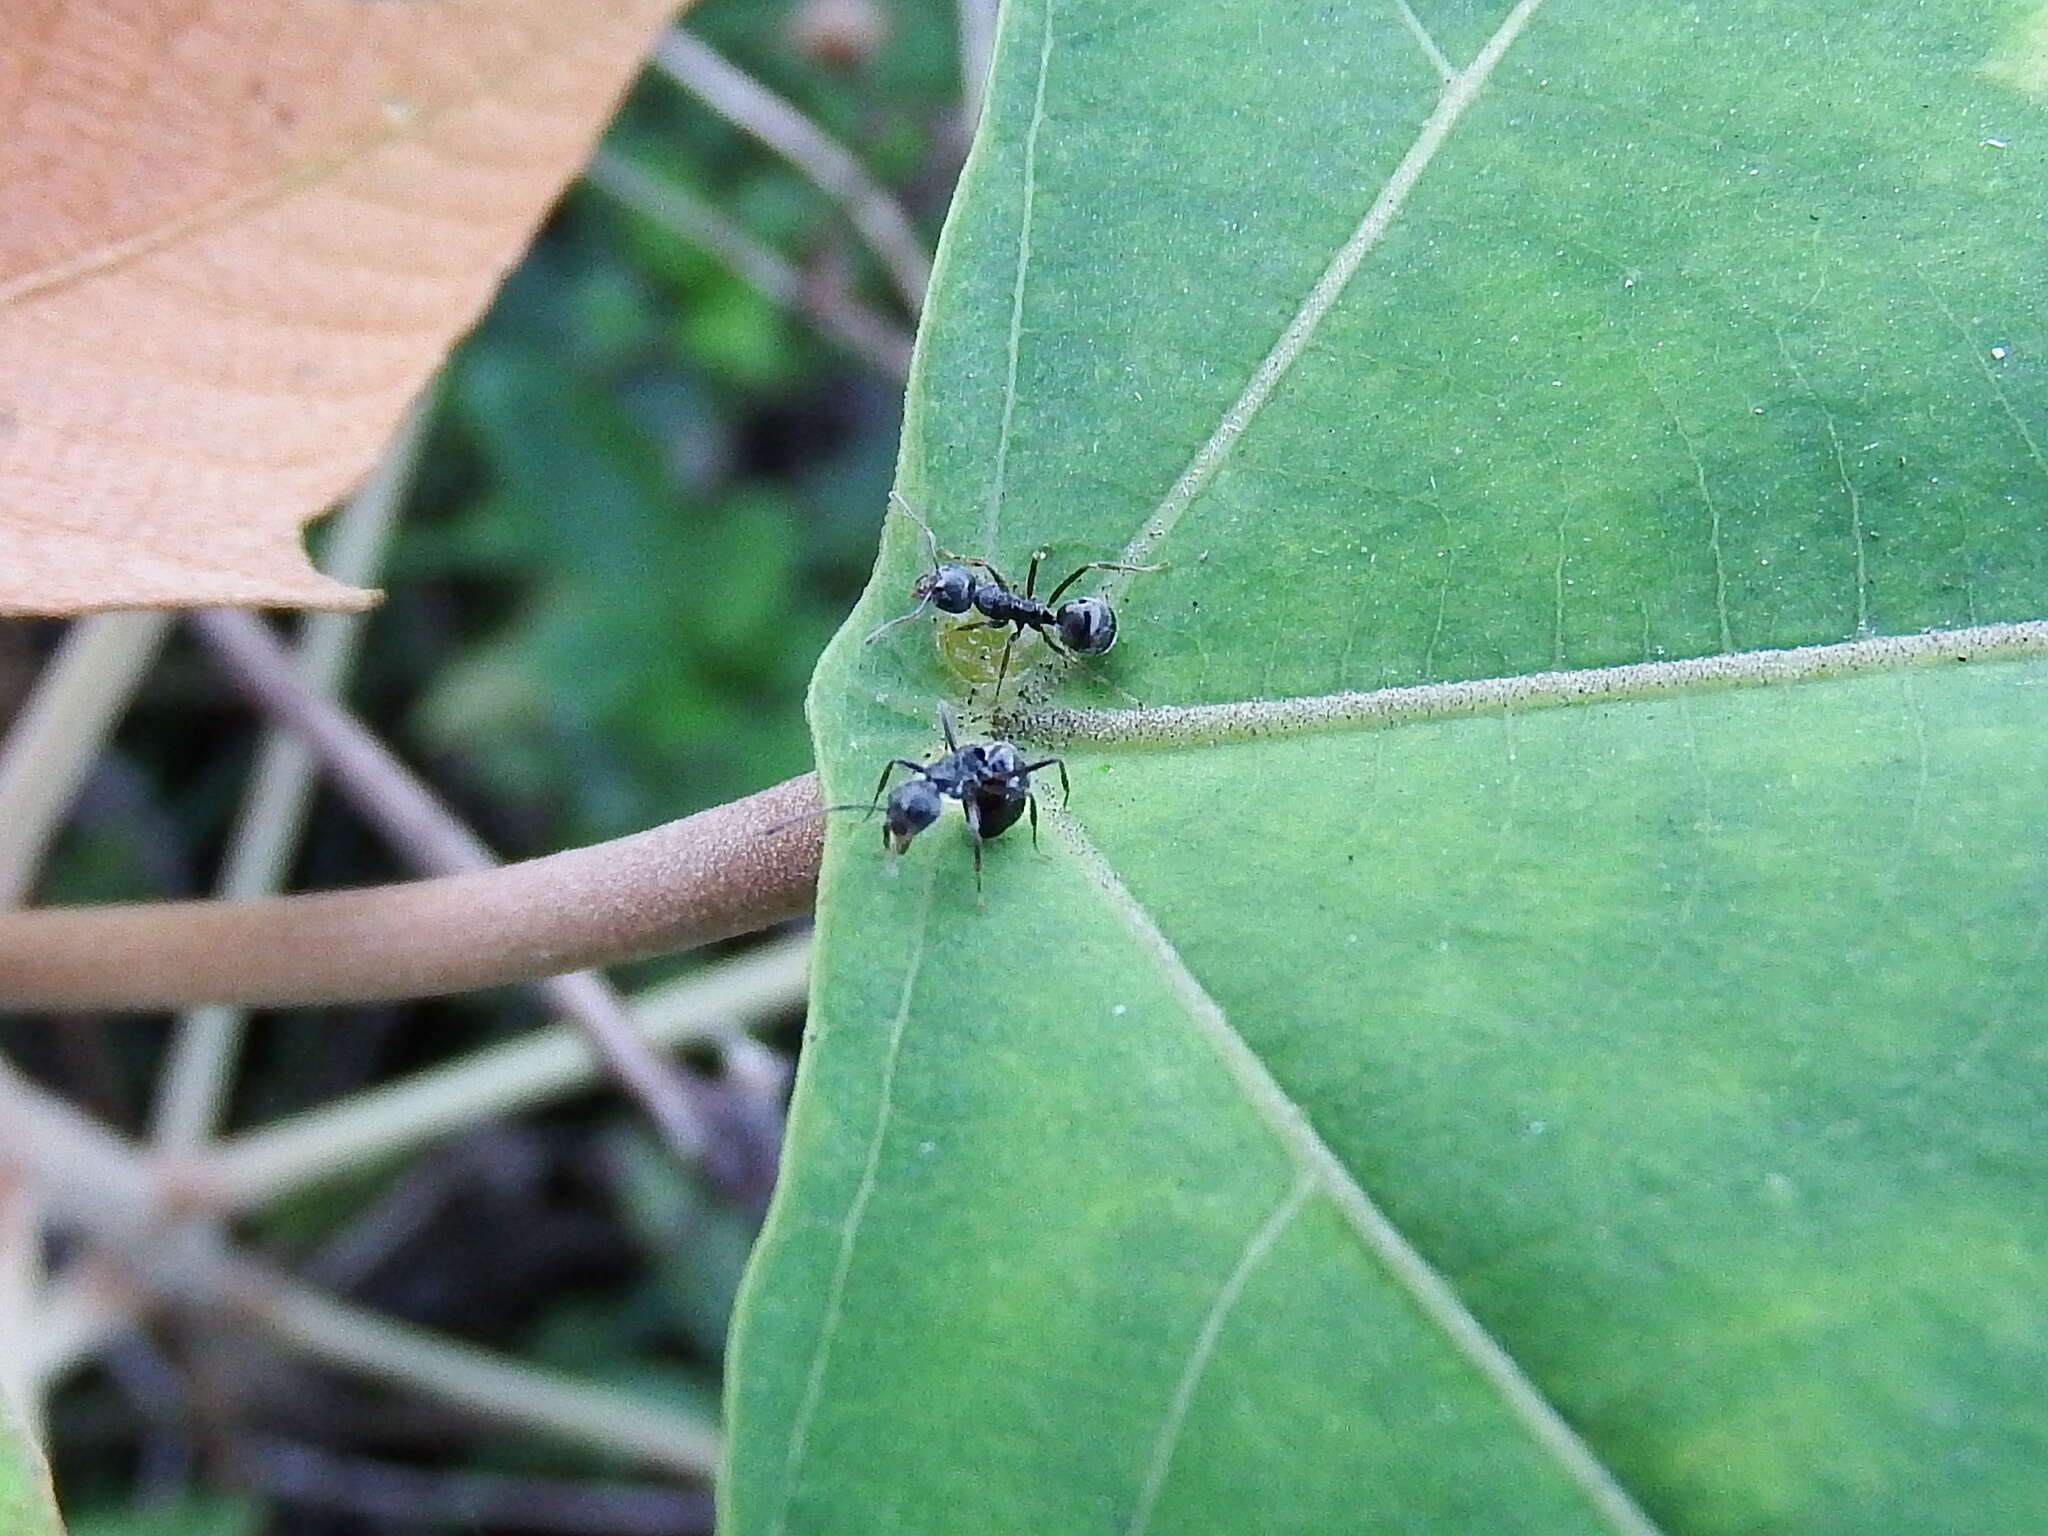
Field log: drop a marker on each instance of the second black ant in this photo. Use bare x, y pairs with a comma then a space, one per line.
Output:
1086, 626
990, 779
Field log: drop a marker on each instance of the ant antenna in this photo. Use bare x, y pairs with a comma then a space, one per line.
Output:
932, 544
931, 539
810, 816
886, 625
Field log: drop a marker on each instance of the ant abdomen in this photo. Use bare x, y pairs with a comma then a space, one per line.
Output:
1087, 625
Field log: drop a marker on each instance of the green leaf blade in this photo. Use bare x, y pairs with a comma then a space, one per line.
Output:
1527, 1109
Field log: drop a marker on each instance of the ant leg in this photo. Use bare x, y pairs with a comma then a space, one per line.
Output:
1003, 669
1066, 789
1096, 565
883, 782
1031, 804
946, 726
1001, 580
975, 841
1031, 576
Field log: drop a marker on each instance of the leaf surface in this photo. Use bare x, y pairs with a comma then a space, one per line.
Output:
238, 240
26, 1505
1497, 1041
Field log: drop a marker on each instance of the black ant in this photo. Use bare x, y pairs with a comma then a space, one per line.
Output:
990, 779
1086, 626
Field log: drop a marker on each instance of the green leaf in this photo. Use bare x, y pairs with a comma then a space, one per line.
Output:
1497, 1043
26, 1506
192, 1517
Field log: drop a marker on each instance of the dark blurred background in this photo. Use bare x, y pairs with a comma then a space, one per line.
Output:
649, 493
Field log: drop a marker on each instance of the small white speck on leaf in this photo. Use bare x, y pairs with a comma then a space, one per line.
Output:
2001, 352
1994, 144
1118, 1011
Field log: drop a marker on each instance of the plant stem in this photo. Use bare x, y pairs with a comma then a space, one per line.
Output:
742, 100
706, 877
870, 335
977, 22
383, 1123
487, 1384
415, 821
51, 746
21, 1280
199, 1068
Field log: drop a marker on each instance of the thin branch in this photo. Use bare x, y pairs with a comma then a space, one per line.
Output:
198, 1071
91, 1179
977, 50
489, 1385
382, 1123
706, 877
21, 1284
869, 334
415, 821
50, 748
91, 1301
744, 101
411, 817
83, 1172
86, 1304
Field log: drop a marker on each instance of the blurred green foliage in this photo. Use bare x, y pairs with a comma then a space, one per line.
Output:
653, 493
650, 495
196, 1517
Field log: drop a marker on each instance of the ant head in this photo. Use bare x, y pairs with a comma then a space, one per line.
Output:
1087, 625
1000, 760
947, 587
913, 806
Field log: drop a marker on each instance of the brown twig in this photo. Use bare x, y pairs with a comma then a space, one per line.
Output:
706, 877
409, 814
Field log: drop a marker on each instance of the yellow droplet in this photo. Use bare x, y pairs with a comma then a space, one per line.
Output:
975, 655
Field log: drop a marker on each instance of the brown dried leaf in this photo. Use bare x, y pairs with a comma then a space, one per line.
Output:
239, 236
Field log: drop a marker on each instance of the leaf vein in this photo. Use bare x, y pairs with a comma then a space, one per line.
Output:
998, 482
1256, 1247
1312, 1157
1461, 89
856, 1211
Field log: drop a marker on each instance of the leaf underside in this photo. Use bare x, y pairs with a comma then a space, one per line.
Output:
237, 246
1608, 1117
